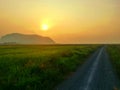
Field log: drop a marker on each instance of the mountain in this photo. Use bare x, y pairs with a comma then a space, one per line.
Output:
25, 39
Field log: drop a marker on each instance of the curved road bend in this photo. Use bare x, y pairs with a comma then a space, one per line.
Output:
95, 74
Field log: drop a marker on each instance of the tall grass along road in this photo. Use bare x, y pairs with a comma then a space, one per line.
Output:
39, 67
95, 74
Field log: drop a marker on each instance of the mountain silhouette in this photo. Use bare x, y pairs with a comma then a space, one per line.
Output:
25, 39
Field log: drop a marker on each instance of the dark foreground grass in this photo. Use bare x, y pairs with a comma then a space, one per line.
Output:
114, 52
34, 67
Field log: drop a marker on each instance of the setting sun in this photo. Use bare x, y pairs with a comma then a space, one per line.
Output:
45, 27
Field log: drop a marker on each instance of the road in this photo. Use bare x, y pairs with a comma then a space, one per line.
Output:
96, 74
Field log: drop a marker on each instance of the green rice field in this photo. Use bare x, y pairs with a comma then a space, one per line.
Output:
114, 53
41, 67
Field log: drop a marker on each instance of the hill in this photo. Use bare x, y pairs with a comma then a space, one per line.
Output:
25, 39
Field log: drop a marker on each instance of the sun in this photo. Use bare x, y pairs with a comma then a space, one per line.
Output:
44, 27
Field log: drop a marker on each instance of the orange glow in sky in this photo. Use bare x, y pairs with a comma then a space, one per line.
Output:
65, 21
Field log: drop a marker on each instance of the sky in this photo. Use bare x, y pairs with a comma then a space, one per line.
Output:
68, 21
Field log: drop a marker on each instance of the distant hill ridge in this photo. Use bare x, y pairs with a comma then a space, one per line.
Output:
26, 39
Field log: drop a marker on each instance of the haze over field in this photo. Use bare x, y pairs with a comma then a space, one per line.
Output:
65, 21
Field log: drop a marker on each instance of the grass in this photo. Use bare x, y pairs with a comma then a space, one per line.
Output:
35, 67
114, 52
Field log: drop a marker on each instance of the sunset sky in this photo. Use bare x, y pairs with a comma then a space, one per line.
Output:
65, 21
